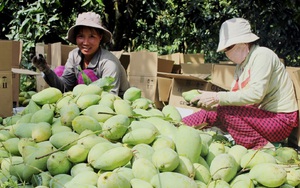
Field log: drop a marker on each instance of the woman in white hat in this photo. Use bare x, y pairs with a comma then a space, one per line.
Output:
261, 106
89, 57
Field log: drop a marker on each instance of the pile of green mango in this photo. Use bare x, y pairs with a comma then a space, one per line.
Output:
25, 96
91, 138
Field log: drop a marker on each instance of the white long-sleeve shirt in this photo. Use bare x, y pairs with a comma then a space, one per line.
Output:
261, 80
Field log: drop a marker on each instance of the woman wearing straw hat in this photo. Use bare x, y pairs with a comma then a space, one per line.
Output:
261, 106
89, 57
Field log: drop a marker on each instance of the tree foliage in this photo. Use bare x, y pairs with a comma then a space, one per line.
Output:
165, 26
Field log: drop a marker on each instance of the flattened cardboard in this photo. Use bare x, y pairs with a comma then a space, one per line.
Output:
123, 57
197, 69
164, 88
164, 65
199, 77
193, 58
143, 63
125, 60
10, 54
223, 75
294, 73
118, 54
180, 58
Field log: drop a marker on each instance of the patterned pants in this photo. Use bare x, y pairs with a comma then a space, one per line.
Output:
249, 126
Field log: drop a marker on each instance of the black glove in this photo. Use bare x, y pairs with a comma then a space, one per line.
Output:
40, 63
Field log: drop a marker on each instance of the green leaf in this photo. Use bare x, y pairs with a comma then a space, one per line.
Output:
106, 83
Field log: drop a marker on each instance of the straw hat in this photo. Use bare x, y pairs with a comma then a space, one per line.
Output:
89, 19
234, 31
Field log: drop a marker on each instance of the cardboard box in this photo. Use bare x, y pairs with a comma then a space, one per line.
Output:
10, 57
8, 90
294, 138
10, 54
56, 54
164, 86
179, 86
143, 73
192, 73
222, 76
294, 73
124, 58
180, 58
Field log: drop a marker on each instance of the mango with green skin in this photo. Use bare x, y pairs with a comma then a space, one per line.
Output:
115, 127
190, 94
254, 157
112, 179
84, 122
185, 167
172, 179
113, 158
64, 140
68, 113
242, 180
137, 183
100, 112
42, 115
223, 167
87, 100
98, 150
184, 137
268, 174
123, 107
139, 136
77, 153
202, 173
172, 112
47, 96
165, 159
132, 93
58, 163
84, 178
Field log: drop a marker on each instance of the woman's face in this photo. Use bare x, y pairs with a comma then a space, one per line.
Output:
88, 40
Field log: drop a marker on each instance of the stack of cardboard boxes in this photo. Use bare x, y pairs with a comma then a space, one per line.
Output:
10, 58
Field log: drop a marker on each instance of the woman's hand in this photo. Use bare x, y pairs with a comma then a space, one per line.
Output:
40, 63
207, 100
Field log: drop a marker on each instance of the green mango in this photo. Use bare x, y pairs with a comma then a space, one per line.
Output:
58, 163
68, 113
47, 96
43, 115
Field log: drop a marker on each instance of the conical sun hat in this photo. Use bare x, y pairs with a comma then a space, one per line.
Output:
234, 31
89, 19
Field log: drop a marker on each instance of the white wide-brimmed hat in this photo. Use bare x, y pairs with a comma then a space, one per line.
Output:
89, 19
234, 31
